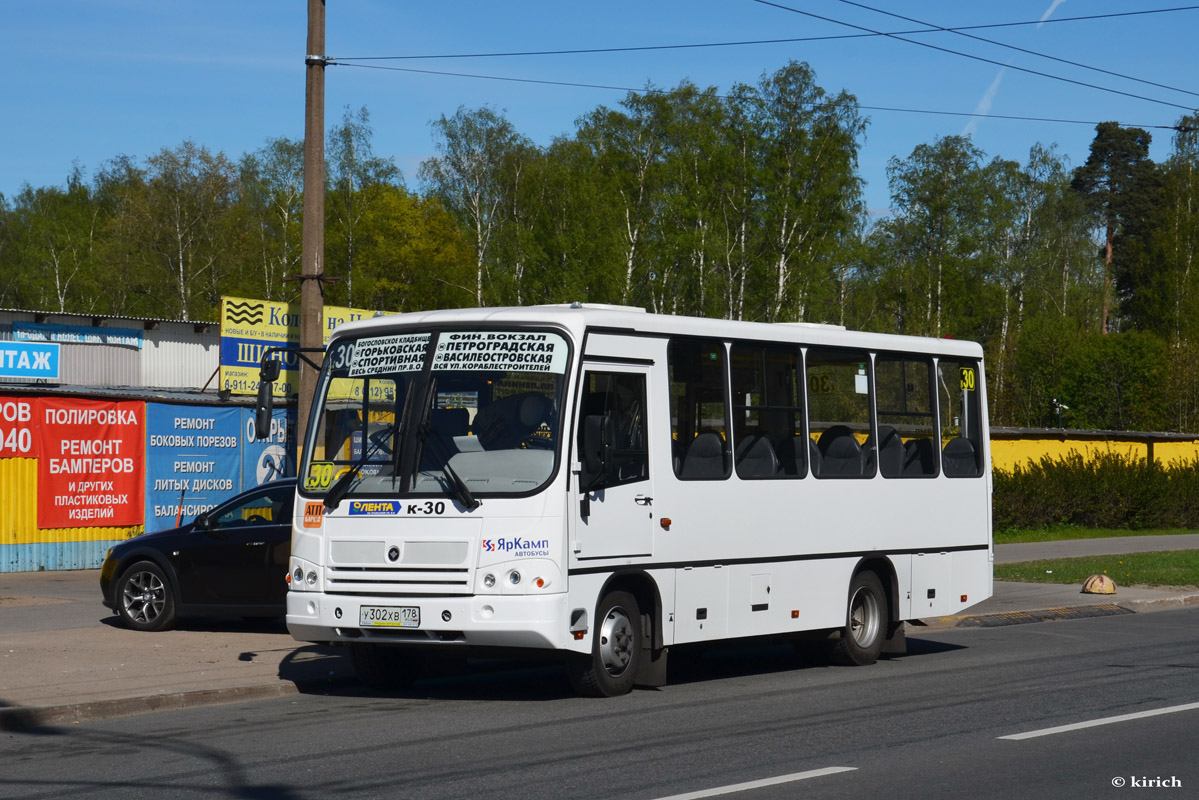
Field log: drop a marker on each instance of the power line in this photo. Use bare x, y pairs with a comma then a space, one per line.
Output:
859, 106
959, 32
750, 42
974, 57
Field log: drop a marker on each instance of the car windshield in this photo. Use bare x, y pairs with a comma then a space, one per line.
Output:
458, 413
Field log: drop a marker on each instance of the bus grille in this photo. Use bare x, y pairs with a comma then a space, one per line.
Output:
397, 580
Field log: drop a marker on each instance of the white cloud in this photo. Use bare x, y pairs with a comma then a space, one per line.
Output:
1052, 7
984, 104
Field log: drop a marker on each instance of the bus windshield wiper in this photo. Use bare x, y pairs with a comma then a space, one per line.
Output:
458, 486
378, 441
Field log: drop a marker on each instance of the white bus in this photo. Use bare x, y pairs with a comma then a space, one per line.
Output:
604, 483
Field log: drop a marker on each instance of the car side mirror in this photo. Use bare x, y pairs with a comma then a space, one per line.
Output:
202, 521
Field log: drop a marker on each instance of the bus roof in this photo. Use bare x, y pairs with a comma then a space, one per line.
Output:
579, 317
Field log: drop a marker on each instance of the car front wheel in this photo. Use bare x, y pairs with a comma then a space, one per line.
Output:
144, 600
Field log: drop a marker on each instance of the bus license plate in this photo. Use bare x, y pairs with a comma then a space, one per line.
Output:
389, 616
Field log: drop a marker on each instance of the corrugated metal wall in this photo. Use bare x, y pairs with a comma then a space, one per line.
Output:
176, 356
98, 365
24, 548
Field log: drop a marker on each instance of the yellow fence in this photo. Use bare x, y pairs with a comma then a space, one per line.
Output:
25, 547
1019, 446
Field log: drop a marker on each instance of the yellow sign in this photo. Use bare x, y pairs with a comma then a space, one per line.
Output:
249, 327
968, 379
320, 475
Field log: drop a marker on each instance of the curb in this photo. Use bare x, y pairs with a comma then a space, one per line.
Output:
17, 719
1043, 615
1165, 603
1002, 618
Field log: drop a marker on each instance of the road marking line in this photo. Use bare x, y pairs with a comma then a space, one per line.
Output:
1105, 721
745, 787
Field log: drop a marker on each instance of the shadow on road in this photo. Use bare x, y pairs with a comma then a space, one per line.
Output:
545, 679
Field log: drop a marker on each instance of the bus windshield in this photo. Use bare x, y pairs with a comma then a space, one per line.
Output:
440, 413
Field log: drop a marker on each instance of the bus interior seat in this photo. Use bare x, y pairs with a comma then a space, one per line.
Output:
534, 409
815, 460
888, 454
755, 457
840, 453
705, 457
959, 458
790, 452
507, 422
597, 404
919, 457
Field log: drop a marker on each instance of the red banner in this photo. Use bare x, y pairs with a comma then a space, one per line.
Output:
91, 467
17, 438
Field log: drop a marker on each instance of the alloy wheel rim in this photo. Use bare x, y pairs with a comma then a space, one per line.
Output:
144, 597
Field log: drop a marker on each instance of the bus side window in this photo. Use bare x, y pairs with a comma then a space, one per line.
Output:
906, 426
698, 410
768, 438
838, 405
621, 398
961, 419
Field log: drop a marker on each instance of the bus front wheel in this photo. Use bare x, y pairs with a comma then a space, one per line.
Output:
861, 640
615, 650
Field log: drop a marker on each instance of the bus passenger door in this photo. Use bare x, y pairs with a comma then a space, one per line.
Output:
616, 511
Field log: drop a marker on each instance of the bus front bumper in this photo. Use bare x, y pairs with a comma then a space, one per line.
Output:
535, 621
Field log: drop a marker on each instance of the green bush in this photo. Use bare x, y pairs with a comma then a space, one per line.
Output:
1108, 491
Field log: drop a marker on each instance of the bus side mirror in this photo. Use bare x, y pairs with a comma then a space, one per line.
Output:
265, 406
598, 443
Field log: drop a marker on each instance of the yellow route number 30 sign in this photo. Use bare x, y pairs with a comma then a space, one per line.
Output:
969, 382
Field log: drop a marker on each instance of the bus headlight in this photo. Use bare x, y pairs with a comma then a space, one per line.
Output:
526, 576
303, 576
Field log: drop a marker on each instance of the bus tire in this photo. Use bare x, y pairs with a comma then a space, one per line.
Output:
615, 650
861, 640
385, 668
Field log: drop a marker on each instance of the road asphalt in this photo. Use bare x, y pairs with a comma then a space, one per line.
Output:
65, 659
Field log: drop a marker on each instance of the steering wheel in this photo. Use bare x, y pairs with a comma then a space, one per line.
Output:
255, 519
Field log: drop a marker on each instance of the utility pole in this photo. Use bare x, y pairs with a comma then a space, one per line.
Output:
312, 253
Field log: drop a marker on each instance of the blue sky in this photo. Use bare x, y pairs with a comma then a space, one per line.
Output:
86, 80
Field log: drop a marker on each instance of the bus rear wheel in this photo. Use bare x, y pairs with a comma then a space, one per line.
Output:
615, 650
861, 640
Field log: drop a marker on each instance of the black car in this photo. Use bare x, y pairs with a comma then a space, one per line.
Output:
229, 561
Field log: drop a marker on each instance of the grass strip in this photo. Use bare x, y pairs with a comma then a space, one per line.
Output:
1166, 568
1059, 533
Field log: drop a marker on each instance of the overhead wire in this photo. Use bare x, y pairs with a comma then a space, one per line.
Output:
859, 106
750, 42
974, 57
350, 61
960, 32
